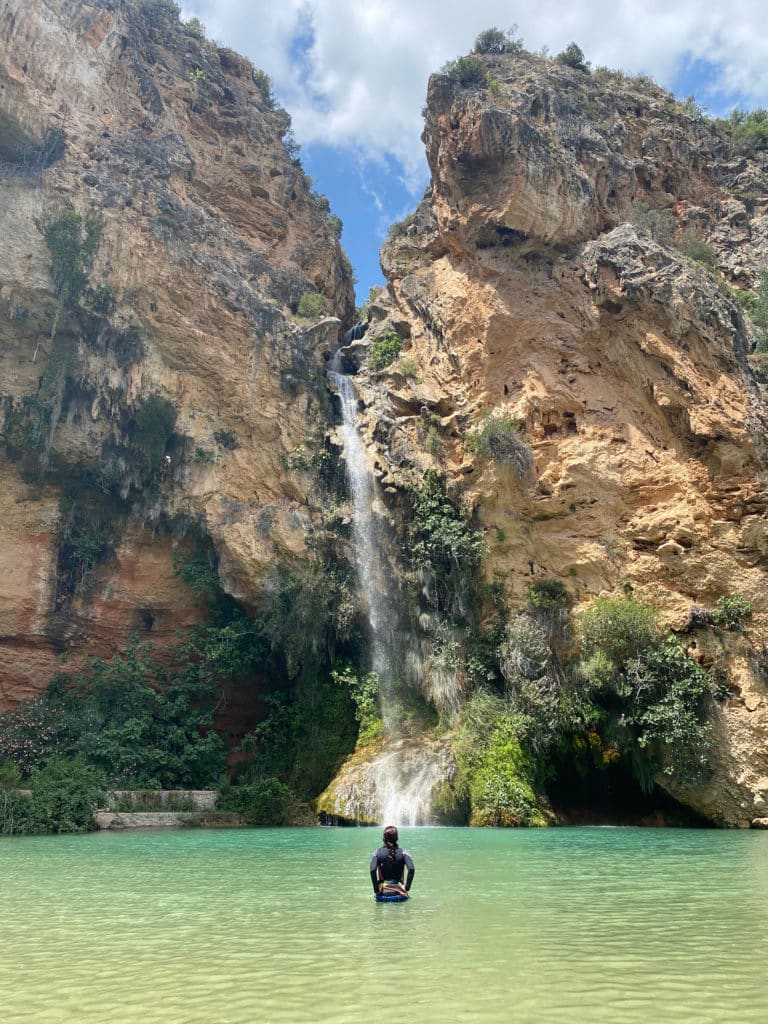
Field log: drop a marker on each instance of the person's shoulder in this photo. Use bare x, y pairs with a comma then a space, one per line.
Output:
406, 853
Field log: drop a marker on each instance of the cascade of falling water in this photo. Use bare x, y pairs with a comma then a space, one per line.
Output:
367, 530
398, 786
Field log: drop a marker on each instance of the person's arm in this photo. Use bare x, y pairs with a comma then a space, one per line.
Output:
375, 872
411, 870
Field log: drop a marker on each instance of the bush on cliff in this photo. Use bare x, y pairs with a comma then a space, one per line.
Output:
311, 305
466, 72
573, 57
748, 131
654, 700
499, 437
383, 351
494, 41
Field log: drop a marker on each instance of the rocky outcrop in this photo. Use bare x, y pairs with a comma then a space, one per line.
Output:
520, 286
207, 234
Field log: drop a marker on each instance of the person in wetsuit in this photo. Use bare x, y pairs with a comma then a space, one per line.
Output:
389, 863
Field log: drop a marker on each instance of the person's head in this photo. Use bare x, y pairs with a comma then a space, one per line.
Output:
390, 836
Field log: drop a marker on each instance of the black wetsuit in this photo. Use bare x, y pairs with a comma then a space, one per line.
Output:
391, 869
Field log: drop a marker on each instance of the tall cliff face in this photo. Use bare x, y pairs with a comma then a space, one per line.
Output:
519, 286
157, 237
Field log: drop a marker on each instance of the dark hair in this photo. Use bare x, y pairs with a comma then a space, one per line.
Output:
390, 840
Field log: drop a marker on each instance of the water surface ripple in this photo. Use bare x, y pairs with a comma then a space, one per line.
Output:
566, 925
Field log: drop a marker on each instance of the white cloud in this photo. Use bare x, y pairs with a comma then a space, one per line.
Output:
363, 81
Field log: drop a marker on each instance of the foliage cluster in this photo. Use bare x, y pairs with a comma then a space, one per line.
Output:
63, 796
691, 243
731, 611
265, 802
128, 717
263, 83
755, 304
364, 690
161, 10
307, 612
467, 72
747, 130
573, 57
654, 698
443, 546
495, 41
72, 239
495, 774
89, 524
383, 351
304, 738
630, 692
194, 29
398, 229
659, 224
499, 437
311, 305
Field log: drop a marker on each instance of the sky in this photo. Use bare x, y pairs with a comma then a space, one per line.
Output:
353, 76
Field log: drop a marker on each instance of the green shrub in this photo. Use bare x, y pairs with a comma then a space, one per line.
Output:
396, 230
731, 612
548, 596
72, 239
203, 456
659, 224
669, 699
88, 527
226, 439
573, 57
498, 437
310, 305
755, 304
140, 735
266, 802
494, 771
494, 41
364, 691
334, 224
307, 609
160, 10
65, 793
194, 29
263, 83
409, 368
748, 131
383, 351
466, 72
443, 546
692, 245
304, 739
617, 628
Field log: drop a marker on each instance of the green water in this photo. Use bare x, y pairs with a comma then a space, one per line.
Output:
576, 925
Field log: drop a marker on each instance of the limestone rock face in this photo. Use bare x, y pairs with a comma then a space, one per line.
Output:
209, 235
520, 286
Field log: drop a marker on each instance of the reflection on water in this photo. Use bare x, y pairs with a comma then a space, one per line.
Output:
576, 925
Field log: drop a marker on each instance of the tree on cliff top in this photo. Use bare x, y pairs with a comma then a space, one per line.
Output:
493, 40
573, 57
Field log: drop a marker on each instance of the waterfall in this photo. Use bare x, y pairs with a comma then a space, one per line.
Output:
396, 786
370, 540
